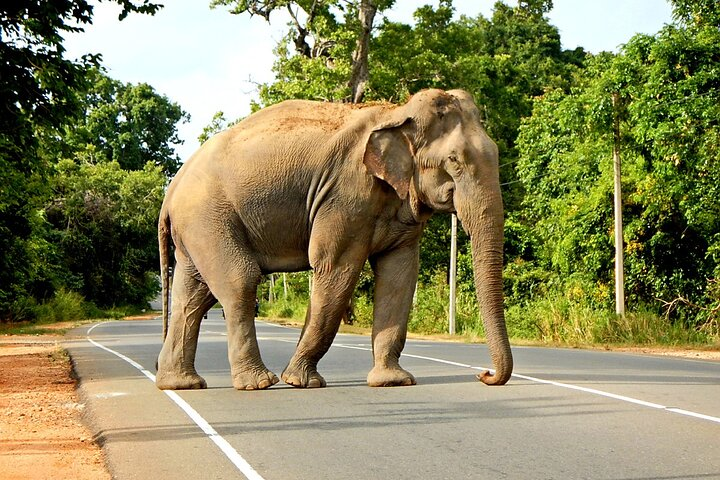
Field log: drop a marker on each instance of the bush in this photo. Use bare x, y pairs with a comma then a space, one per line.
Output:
363, 311
291, 307
63, 306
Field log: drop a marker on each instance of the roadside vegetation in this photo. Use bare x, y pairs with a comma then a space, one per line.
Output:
88, 166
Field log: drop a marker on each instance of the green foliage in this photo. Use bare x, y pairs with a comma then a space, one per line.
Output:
697, 13
292, 308
64, 306
300, 77
316, 56
669, 144
216, 125
562, 320
503, 62
103, 221
128, 124
40, 94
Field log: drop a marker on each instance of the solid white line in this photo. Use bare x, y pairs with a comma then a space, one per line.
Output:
701, 416
232, 454
569, 386
592, 391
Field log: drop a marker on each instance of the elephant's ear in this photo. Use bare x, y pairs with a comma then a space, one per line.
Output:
389, 156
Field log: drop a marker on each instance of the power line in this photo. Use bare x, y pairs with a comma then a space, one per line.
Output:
509, 163
522, 180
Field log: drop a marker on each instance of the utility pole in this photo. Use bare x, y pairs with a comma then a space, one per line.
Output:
453, 271
284, 286
619, 258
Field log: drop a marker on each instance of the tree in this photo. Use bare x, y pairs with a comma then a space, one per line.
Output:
340, 34
668, 87
503, 61
360, 74
102, 221
697, 13
129, 124
39, 90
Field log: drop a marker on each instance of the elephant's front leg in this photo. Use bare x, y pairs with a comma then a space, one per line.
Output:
330, 295
396, 274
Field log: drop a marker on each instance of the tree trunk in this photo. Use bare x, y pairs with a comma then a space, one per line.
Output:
360, 72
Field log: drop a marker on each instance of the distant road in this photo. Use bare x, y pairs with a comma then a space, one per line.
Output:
566, 414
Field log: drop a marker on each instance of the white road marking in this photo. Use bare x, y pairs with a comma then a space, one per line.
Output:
246, 469
232, 454
104, 396
592, 391
569, 386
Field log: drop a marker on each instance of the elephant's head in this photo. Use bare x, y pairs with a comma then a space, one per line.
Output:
434, 151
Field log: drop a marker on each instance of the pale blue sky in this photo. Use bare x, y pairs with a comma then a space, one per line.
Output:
209, 60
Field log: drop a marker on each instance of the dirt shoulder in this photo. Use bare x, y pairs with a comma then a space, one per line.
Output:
708, 355
42, 435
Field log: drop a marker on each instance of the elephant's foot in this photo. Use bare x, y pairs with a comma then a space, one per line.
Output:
302, 376
389, 377
256, 380
179, 381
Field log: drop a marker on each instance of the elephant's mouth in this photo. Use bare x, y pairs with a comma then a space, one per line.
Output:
445, 200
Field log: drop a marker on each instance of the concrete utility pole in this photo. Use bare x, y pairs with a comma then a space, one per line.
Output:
453, 270
619, 258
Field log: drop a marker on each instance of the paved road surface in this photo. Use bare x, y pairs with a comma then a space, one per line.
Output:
567, 414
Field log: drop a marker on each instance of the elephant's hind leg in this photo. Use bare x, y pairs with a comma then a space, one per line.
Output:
191, 298
233, 276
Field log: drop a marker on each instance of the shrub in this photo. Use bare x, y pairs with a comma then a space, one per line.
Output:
63, 306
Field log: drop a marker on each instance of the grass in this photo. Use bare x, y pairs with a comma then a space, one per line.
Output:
64, 311
47, 328
553, 320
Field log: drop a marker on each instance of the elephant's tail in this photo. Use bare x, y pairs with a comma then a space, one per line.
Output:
165, 244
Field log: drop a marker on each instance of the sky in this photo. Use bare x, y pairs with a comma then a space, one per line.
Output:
208, 60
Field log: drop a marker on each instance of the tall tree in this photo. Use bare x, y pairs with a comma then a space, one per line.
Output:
102, 221
504, 61
339, 31
129, 124
668, 86
360, 74
39, 89
697, 13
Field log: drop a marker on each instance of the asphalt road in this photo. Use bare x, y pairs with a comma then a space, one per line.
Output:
567, 414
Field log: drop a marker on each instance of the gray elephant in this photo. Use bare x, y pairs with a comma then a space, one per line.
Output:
325, 186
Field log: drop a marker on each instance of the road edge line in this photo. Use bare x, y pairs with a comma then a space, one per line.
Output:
235, 458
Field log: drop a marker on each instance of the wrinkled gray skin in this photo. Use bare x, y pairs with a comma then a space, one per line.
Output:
324, 186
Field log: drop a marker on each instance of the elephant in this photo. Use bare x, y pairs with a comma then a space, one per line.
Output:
327, 186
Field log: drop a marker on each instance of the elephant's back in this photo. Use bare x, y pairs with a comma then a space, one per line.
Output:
270, 166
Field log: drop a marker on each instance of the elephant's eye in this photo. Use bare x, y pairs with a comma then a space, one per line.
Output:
453, 158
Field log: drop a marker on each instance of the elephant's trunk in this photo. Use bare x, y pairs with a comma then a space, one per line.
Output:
483, 220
